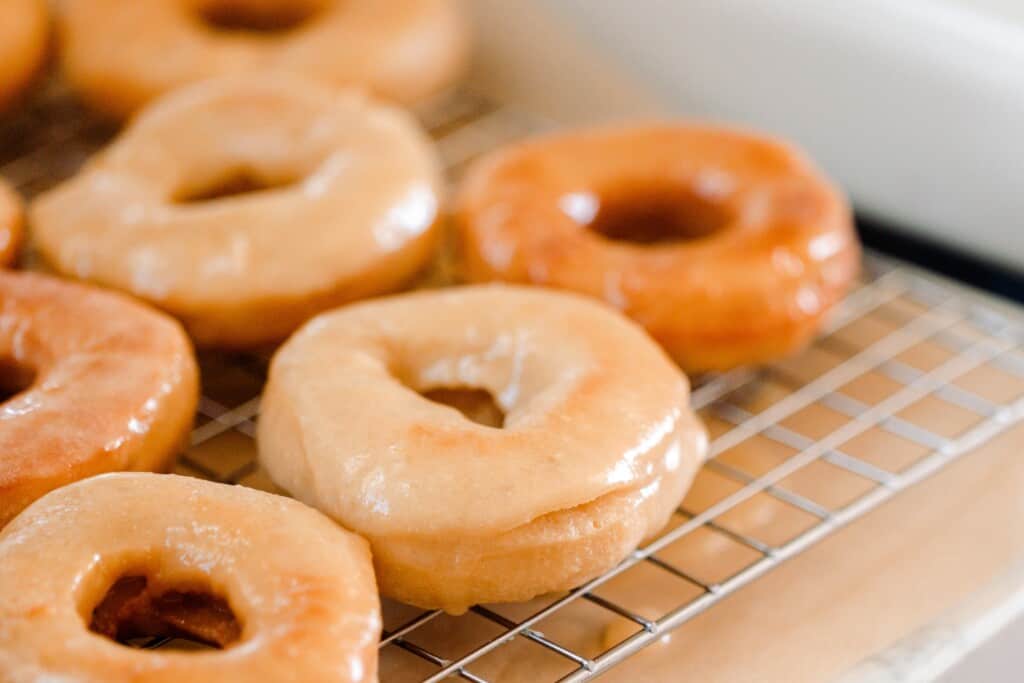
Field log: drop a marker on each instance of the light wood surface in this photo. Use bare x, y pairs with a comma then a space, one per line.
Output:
865, 588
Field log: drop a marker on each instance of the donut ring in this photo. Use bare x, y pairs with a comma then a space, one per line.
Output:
24, 33
352, 208
12, 224
769, 243
597, 449
105, 384
299, 601
117, 54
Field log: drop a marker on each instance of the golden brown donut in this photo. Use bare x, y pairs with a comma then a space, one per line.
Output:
351, 210
12, 224
120, 55
24, 32
596, 448
728, 247
292, 595
99, 383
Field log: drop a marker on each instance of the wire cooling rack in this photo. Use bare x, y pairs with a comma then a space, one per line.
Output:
912, 373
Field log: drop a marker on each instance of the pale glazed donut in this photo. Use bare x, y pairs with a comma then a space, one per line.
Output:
763, 244
286, 593
12, 224
24, 32
358, 217
105, 384
120, 55
597, 449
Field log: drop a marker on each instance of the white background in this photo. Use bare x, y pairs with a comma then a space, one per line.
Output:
916, 106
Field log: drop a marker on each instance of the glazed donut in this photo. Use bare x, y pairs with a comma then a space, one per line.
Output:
285, 593
728, 247
12, 224
596, 448
351, 209
96, 383
120, 55
24, 32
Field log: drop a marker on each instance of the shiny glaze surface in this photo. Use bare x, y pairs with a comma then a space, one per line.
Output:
553, 552
12, 224
752, 289
120, 55
593, 411
351, 212
115, 386
24, 32
297, 583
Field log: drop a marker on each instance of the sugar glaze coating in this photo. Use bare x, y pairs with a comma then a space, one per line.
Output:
764, 243
598, 444
355, 191
122, 55
111, 385
301, 588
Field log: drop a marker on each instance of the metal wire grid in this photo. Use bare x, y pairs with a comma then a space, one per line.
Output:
905, 310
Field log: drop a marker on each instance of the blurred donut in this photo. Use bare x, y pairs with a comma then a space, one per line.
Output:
12, 224
728, 247
24, 34
120, 55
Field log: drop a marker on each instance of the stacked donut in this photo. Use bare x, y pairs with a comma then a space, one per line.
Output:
481, 443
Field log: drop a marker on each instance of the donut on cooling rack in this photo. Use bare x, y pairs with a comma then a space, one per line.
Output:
94, 381
728, 247
24, 32
120, 55
286, 593
245, 205
12, 222
492, 443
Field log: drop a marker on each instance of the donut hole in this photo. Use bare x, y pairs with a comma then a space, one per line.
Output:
134, 611
477, 405
234, 184
649, 214
257, 16
15, 378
